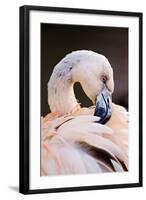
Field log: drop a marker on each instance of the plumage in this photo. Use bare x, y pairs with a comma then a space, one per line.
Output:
73, 141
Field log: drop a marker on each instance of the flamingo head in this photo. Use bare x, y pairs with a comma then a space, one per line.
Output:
95, 75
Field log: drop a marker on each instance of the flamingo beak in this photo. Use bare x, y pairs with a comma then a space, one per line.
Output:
103, 108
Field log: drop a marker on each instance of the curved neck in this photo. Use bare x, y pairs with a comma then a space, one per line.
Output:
61, 97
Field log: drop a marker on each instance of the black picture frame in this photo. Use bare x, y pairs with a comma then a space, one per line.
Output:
24, 147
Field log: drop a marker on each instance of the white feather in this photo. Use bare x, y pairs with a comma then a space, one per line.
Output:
72, 142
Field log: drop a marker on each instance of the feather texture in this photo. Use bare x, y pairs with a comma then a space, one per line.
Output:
75, 144
72, 142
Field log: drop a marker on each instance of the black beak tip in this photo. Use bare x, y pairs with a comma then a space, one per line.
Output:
103, 108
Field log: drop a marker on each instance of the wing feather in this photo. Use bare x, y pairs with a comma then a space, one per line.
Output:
75, 144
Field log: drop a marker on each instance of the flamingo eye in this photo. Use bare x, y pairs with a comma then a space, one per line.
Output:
104, 79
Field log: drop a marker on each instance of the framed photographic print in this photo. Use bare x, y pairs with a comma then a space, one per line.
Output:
80, 99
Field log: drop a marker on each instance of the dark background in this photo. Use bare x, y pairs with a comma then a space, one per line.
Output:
59, 40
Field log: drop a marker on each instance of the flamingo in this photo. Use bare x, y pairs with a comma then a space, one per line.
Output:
79, 140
